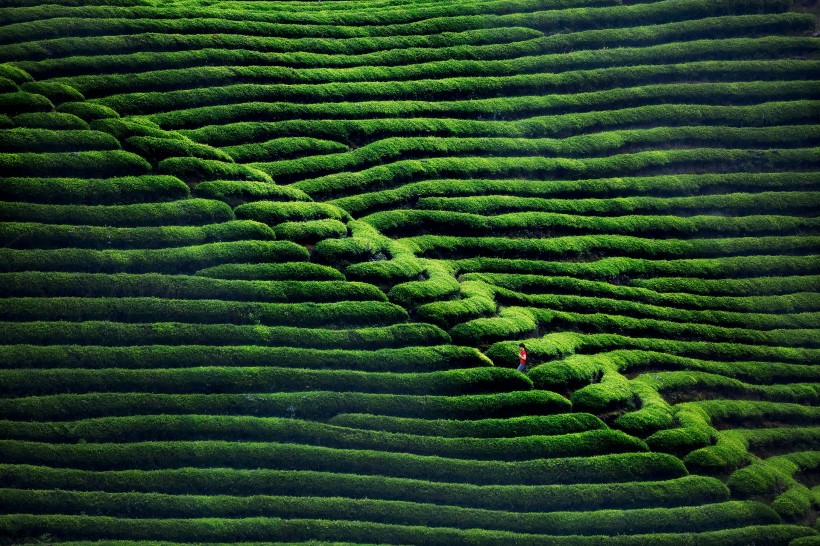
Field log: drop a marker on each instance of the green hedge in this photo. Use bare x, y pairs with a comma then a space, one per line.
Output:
21, 102
699, 518
477, 300
773, 318
33, 235
645, 162
599, 246
542, 286
49, 120
296, 271
32, 283
180, 260
221, 380
521, 498
88, 111
283, 148
57, 92
781, 285
74, 164
210, 530
157, 149
237, 193
176, 333
485, 428
195, 169
93, 191
271, 212
661, 186
286, 456
504, 108
190, 212
304, 405
407, 222
333, 315
604, 143
403, 359
311, 231
613, 269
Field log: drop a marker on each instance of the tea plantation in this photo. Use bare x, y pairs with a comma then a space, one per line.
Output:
266, 265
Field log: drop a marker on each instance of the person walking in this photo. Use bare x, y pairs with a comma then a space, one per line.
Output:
522, 358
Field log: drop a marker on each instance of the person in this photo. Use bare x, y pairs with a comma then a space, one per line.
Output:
522, 358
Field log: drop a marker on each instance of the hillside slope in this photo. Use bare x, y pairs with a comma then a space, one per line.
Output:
266, 266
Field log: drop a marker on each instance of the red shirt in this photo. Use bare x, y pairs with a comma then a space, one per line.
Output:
522, 356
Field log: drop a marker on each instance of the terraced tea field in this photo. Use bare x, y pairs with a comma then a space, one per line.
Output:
266, 266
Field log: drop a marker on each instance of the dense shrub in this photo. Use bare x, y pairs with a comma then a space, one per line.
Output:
157, 149
43, 236
180, 260
55, 91
93, 191
404, 359
272, 213
183, 212
195, 169
88, 111
32, 283
49, 120
47, 140
311, 231
296, 271
307, 315
75, 164
176, 333
237, 193
21, 102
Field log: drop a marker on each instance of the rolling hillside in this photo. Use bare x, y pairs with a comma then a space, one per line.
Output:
266, 266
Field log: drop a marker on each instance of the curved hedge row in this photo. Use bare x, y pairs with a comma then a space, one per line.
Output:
135, 505
224, 481
484, 428
404, 359
119, 285
306, 405
22, 235
184, 212
74, 164
509, 107
179, 333
186, 259
343, 314
236, 193
48, 140
204, 428
93, 191
661, 186
295, 271
49, 120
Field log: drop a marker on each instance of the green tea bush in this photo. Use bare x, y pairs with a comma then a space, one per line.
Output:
195, 169
298, 484
241, 380
311, 405
514, 322
93, 191
401, 360
296, 271
283, 148
440, 284
484, 428
47, 140
157, 149
55, 91
45, 236
236, 193
21, 102
476, 301
180, 260
119, 285
308, 315
49, 120
272, 213
174, 213
94, 164
311, 231
177, 333
88, 111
